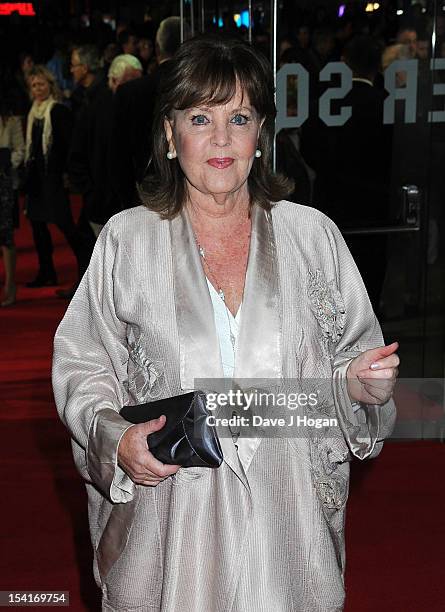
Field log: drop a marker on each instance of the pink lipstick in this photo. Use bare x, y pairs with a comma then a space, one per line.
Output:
220, 162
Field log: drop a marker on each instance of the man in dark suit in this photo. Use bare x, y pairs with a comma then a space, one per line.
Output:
359, 163
91, 81
133, 107
359, 151
87, 76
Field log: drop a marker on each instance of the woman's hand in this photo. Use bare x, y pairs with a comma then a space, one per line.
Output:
135, 458
372, 375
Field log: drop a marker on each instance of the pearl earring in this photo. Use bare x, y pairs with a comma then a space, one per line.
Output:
257, 153
170, 155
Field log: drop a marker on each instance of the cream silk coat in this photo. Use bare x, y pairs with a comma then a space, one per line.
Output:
141, 327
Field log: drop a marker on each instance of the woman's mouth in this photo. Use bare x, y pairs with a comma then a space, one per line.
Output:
220, 162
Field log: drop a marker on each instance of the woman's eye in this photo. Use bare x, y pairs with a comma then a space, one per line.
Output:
199, 120
240, 119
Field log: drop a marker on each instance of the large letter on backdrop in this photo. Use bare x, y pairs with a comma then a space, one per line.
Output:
408, 92
335, 93
283, 120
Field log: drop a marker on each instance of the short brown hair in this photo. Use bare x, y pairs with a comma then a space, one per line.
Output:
206, 70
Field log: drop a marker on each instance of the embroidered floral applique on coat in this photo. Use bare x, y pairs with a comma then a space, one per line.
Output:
328, 307
145, 375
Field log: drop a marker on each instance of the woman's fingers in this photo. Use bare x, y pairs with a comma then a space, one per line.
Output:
376, 370
148, 477
383, 351
150, 467
384, 374
388, 362
375, 359
136, 459
148, 480
162, 470
380, 386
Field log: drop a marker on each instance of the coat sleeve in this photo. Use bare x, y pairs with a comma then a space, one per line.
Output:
366, 428
17, 142
89, 370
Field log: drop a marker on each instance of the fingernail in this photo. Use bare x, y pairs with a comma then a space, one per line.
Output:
374, 366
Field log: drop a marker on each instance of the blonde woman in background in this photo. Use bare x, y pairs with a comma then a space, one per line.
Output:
48, 138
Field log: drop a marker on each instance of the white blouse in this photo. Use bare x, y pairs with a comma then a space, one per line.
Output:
227, 324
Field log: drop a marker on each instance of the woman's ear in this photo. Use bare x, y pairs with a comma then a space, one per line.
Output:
260, 126
169, 135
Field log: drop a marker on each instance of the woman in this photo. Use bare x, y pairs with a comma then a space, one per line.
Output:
215, 277
48, 137
12, 151
146, 55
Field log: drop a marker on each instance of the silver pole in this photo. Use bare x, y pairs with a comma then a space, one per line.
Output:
202, 17
181, 16
273, 30
250, 21
192, 18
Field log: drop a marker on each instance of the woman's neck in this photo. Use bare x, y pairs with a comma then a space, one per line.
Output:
214, 213
40, 102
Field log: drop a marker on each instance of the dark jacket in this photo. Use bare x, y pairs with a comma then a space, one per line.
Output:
352, 161
360, 160
47, 197
130, 152
89, 158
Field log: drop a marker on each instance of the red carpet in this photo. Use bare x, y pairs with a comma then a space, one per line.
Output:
395, 530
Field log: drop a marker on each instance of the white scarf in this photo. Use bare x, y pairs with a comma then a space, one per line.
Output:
40, 111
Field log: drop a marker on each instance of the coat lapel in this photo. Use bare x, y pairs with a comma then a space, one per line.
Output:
198, 342
259, 340
259, 348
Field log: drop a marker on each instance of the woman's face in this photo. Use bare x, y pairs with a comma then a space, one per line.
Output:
145, 48
39, 88
215, 145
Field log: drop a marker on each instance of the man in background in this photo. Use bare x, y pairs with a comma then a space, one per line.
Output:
407, 36
359, 164
133, 106
87, 79
86, 73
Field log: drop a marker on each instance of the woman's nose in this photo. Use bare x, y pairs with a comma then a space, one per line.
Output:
221, 134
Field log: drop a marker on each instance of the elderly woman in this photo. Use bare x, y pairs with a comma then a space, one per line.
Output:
217, 276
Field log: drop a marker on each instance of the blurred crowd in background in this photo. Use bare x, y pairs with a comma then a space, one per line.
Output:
77, 97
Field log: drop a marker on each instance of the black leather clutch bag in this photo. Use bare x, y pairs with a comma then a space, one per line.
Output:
186, 438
